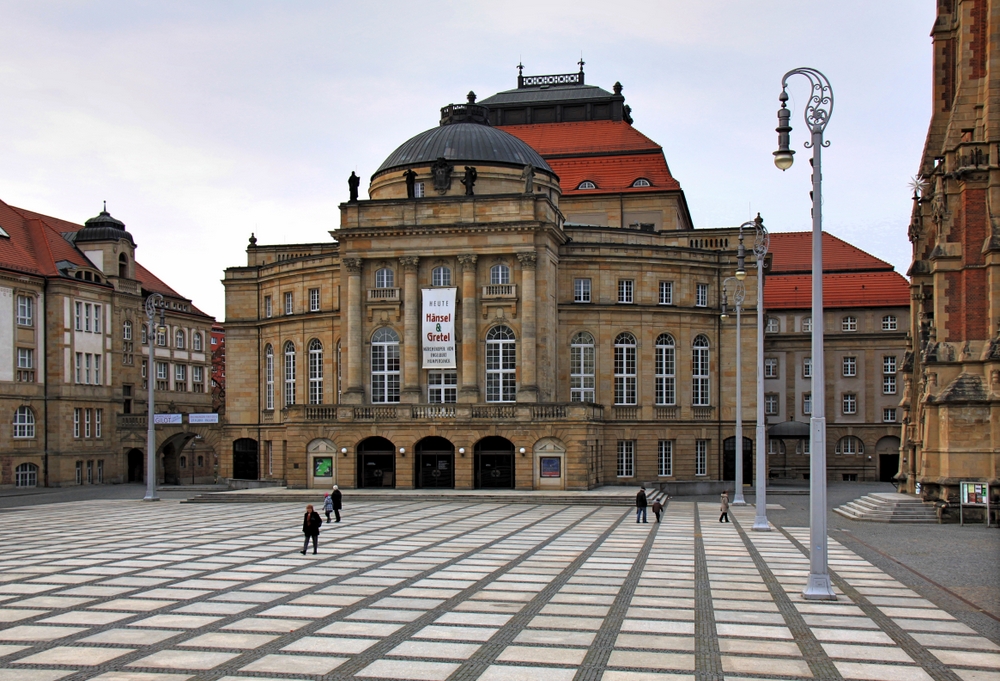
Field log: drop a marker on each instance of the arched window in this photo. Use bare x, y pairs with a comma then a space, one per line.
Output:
179, 340
315, 372
889, 323
122, 266
196, 341
384, 278
850, 445
501, 363
699, 373
666, 388
625, 369
268, 377
127, 330
582, 360
441, 276
24, 423
641, 182
26, 475
586, 184
499, 274
385, 366
289, 373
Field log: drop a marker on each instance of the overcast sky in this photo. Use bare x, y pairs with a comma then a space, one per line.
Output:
201, 122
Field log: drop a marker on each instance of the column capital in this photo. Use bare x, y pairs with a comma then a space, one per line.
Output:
353, 265
409, 263
528, 259
468, 262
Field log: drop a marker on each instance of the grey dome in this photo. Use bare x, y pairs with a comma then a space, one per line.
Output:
103, 228
465, 142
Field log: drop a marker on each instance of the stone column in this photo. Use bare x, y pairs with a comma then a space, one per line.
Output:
469, 391
354, 393
411, 330
528, 388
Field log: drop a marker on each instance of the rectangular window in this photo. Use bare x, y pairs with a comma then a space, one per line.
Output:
97, 319
626, 289
98, 419
267, 307
771, 367
90, 472
625, 373
97, 370
180, 377
626, 458
269, 379
807, 324
144, 370
79, 472
161, 371
161, 336
807, 404
314, 300
25, 358
850, 403
198, 379
889, 365
701, 457
581, 290
701, 295
100, 470
442, 387
849, 323
771, 404
582, 378
773, 325
889, 323
288, 304
665, 458
87, 358
807, 367
889, 385
86, 317
666, 293
78, 325
666, 382
418, 190
888, 415
850, 366
86, 422
25, 311
79, 367
76, 422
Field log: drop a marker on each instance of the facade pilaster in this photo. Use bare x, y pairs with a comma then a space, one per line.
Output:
470, 372
354, 392
411, 330
528, 385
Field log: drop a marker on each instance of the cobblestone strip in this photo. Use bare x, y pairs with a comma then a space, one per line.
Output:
143, 651
707, 658
473, 667
596, 661
380, 649
819, 662
934, 667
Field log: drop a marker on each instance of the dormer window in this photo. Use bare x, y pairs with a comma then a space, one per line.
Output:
122, 266
641, 182
586, 184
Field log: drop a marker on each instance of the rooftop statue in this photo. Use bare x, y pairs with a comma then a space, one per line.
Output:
353, 182
470, 180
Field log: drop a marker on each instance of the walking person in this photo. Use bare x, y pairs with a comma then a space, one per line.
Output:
724, 508
640, 505
337, 500
311, 523
657, 510
327, 506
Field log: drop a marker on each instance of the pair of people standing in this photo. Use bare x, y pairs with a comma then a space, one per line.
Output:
640, 507
333, 503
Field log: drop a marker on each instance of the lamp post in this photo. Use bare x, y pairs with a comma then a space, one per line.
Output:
152, 302
739, 295
817, 115
760, 243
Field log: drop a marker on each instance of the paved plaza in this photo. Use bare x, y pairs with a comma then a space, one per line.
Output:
119, 589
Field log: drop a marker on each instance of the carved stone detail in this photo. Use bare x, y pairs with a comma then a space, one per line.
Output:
353, 265
468, 262
528, 259
409, 263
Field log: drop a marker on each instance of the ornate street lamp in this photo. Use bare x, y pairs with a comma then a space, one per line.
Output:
760, 244
155, 300
817, 115
739, 294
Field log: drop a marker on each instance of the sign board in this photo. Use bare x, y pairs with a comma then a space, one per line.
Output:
203, 418
973, 494
551, 466
438, 328
168, 419
323, 467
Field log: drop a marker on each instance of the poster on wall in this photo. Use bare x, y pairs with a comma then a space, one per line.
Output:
323, 467
550, 466
438, 328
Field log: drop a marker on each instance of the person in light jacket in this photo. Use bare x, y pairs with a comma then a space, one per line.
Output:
328, 507
724, 507
311, 523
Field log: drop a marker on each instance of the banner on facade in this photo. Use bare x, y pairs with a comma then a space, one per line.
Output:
167, 419
203, 418
439, 328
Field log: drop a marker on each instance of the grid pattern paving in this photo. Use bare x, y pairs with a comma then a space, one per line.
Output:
123, 590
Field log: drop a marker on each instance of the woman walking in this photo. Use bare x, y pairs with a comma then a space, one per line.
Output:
724, 507
310, 528
328, 507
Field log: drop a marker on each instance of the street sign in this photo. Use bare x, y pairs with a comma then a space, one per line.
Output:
167, 419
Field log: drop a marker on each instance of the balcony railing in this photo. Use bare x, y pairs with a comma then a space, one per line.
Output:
626, 413
375, 413
499, 291
494, 411
321, 413
668, 413
131, 420
390, 295
435, 412
702, 413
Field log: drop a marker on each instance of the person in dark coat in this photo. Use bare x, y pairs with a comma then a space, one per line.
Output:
657, 510
338, 500
640, 505
311, 523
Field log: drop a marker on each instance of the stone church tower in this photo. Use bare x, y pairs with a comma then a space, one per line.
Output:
951, 401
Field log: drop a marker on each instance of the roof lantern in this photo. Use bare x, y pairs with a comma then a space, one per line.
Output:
103, 228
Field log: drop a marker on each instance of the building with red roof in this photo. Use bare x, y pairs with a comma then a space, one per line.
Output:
75, 358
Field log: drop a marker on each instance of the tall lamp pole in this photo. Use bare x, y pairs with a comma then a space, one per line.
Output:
817, 115
739, 294
760, 243
152, 302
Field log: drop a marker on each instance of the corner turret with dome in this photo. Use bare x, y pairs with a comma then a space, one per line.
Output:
107, 244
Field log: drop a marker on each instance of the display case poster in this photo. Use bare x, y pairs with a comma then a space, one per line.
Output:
973, 493
323, 467
438, 328
551, 466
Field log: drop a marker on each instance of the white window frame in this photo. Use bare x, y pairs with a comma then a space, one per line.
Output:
770, 367
849, 324
807, 401
582, 368
25, 358
849, 366
315, 371
701, 295
76, 421
385, 366
701, 458
626, 291
269, 378
180, 374
889, 323
626, 370
665, 458
98, 324
849, 404
888, 415
807, 367
701, 371
25, 311
665, 371
289, 303
581, 291
127, 330
626, 459
26, 475
666, 293
807, 325
501, 365
385, 278
499, 274
97, 370
267, 307
196, 341
24, 423
86, 422
180, 339
441, 276
771, 404
772, 325
289, 367
78, 316
442, 386
314, 300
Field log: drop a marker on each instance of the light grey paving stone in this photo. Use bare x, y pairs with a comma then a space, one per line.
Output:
962, 658
234, 641
330, 645
473, 618
132, 637
935, 626
736, 646
313, 665
733, 664
17, 614
753, 631
749, 617
917, 613
575, 610
30, 632
247, 597
552, 622
866, 653
852, 636
954, 641
139, 676
97, 591
86, 617
880, 672
659, 627
977, 675
184, 659
381, 629
621, 675
651, 660
408, 669
267, 624
132, 605
35, 674
562, 638
176, 621
53, 602
498, 595
540, 655
497, 672
377, 615
435, 649
654, 642
212, 608
839, 622
676, 614
299, 611
325, 600
82, 656
7, 649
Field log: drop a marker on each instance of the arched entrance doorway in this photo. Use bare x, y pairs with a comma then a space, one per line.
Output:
245, 466
494, 464
435, 464
729, 460
887, 450
134, 461
376, 463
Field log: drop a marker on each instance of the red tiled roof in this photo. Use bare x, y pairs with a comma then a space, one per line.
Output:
582, 138
792, 252
860, 289
613, 174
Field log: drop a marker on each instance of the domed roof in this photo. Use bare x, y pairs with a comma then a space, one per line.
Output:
466, 142
103, 228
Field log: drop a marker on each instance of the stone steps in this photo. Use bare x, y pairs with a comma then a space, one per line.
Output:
315, 496
887, 507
